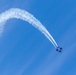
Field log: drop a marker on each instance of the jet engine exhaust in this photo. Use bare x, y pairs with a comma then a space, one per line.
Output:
26, 16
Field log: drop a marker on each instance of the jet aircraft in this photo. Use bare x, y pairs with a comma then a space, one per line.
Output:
59, 49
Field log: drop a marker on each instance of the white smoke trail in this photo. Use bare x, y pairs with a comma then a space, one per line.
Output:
26, 16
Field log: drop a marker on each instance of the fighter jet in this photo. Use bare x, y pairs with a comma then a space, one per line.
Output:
59, 49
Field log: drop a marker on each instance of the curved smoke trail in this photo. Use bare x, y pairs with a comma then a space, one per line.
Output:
26, 16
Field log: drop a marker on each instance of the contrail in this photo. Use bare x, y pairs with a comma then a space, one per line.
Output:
26, 16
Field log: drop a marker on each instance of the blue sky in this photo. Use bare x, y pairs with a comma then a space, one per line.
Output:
26, 51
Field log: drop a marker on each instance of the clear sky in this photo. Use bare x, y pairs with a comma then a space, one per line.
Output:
26, 51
